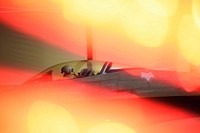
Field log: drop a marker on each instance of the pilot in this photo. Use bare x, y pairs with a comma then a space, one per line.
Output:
86, 72
68, 72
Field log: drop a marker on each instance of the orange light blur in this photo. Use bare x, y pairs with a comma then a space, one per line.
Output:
91, 12
147, 23
152, 25
10, 75
60, 109
189, 81
21, 2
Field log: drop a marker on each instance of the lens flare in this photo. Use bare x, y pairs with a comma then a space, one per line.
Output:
196, 11
144, 27
45, 117
91, 12
160, 7
188, 40
110, 127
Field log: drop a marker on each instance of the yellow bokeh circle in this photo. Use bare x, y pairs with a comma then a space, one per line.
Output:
189, 40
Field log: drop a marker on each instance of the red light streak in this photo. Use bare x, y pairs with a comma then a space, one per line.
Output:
88, 105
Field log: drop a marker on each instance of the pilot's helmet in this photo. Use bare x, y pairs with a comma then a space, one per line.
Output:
66, 69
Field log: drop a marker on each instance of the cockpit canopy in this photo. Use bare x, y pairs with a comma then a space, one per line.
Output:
75, 69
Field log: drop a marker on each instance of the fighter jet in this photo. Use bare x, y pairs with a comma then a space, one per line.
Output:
120, 78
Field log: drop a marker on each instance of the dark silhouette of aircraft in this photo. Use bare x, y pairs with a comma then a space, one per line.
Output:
121, 78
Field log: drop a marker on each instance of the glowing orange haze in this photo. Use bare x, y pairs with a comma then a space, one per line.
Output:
13, 76
149, 36
34, 108
127, 38
152, 38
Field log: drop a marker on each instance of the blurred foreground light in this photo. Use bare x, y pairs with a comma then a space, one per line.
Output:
196, 11
189, 39
160, 7
142, 26
92, 12
110, 127
45, 117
